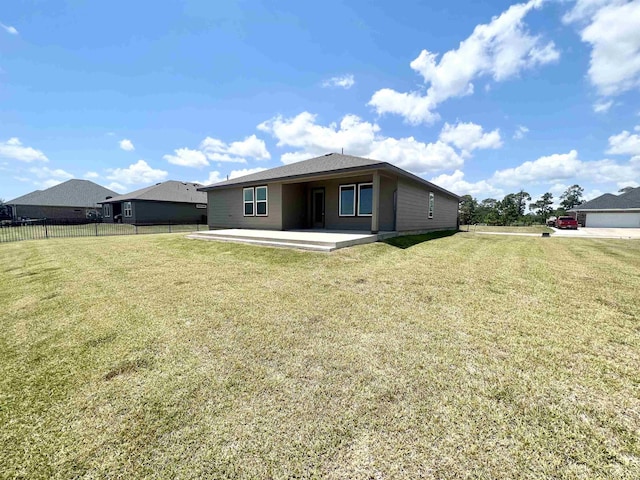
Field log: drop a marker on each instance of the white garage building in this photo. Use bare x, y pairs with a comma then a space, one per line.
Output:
612, 211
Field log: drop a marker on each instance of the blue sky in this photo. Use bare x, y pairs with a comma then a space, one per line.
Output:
484, 98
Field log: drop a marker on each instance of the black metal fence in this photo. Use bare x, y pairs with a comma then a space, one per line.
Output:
44, 229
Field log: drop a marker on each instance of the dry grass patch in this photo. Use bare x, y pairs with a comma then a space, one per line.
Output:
506, 229
466, 356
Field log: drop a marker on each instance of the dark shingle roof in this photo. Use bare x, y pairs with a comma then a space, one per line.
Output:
72, 193
608, 201
169, 191
329, 163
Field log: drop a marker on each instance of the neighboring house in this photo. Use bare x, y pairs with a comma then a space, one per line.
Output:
73, 200
333, 192
612, 211
166, 202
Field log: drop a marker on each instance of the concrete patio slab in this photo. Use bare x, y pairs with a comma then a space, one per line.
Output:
592, 232
316, 240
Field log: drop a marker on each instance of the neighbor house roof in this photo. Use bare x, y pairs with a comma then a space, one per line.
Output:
608, 201
331, 163
169, 191
72, 193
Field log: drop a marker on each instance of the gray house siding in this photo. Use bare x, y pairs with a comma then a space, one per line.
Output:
226, 209
164, 212
413, 208
53, 213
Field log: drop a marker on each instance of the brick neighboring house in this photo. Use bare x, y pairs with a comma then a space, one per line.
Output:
74, 200
333, 192
611, 211
163, 203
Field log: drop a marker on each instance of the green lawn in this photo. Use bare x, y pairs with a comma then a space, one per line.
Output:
505, 229
467, 356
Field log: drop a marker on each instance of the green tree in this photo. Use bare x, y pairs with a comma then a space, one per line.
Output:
572, 197
487, 211
509, 209
543, 207
522, 198
467, 209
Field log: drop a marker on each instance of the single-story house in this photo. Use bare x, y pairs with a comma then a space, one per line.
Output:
74, 200
166, 202
332, 192
611, 211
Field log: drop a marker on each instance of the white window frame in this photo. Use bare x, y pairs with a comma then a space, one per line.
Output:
432, 204
127, 209
265, 201
252, 202
360, 185
355, 205
106, 210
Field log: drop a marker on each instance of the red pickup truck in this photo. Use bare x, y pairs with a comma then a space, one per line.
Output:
567, 222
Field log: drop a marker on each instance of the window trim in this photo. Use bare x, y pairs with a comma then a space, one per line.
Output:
265, 201
360, 185
125, 209
355, 191
431, 205
252, 202
106, 210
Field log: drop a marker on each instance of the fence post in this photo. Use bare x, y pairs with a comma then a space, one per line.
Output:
96, 229
169, 227
46, 231
135, 229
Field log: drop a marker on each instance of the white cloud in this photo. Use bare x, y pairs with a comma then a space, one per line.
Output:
187, 158
545, 169
127, 145
613, 31
520, 132
116, 187
47, 177
90, 175
357, 137
455, 183
602, 107
625, 143
14, 150
343, 81
9, 29
44, 172
136, 173
470, 136
250, 147
215, 176
500, 49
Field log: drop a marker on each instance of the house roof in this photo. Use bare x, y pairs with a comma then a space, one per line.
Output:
608, 201
72, 193
326, 164
169, 191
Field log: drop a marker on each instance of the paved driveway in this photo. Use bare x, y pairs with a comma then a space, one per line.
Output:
587, 232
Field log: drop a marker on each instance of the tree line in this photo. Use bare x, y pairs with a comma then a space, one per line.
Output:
512, 209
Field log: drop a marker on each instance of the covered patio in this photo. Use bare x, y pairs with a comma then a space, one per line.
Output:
315, 240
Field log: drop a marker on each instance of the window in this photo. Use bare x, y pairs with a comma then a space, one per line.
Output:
261, 201
255, 200
431, 204
347, 207
365, 199
106, 210
127, 209
247, 194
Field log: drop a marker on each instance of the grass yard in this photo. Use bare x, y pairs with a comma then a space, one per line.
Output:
505, 229
467, 356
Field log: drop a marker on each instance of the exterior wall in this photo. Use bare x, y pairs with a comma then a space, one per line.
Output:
294, 206
613, 219
53, 213
333, 221
226, 209
165, 212
413, 208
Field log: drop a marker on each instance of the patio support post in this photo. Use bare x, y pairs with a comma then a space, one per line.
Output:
376, 202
